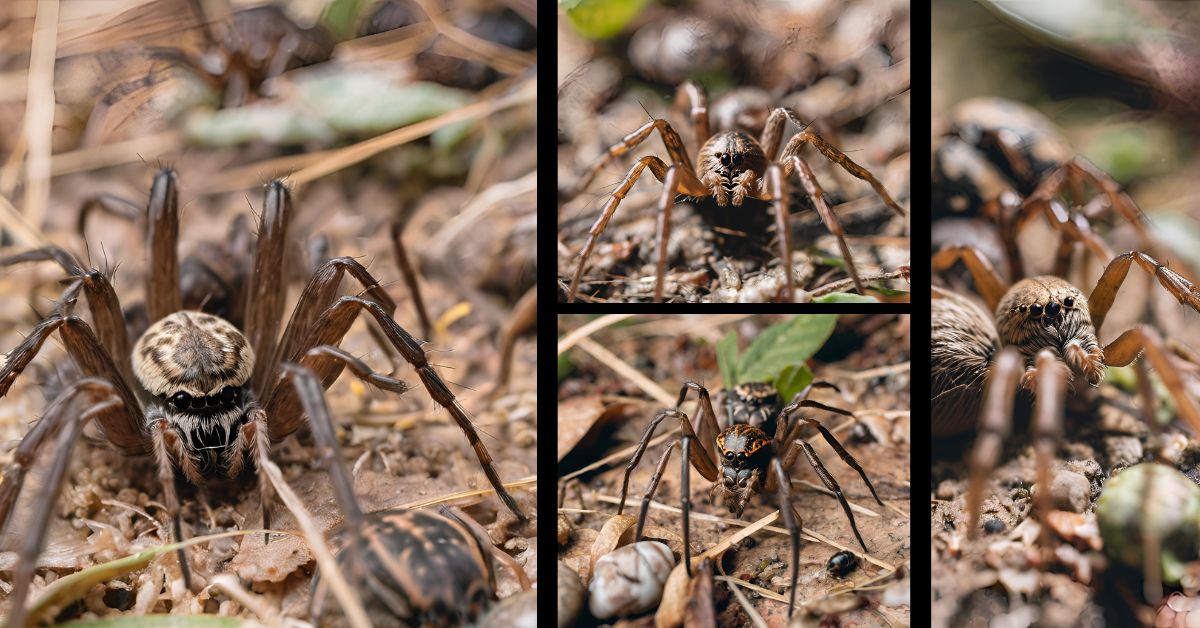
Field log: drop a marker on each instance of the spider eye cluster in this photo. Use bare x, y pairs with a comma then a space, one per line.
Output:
182, 401
734, 159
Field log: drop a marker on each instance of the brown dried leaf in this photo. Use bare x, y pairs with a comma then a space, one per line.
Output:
612, 535
700, 611
581, 419
665, 535
673, 607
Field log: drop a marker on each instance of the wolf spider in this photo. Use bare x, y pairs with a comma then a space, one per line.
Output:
733, 167
758, 437
1044, 334
189, 393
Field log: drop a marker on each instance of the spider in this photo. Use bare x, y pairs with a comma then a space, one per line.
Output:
1006, 161
195, 392
1044, 334
758, 437
733, 167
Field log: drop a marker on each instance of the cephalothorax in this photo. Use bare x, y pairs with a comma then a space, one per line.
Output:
201, 397
732, 167
752, 453
1043, 339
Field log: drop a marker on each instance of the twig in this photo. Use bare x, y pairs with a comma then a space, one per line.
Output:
230, 585
350, 601
623, 369
594, 326
806, 532
846, 284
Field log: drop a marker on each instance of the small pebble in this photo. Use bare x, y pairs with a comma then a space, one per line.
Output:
630, 579
1070, 491
570, 595
1123, 451
993, 526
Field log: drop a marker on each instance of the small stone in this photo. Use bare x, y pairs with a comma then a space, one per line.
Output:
630, 580
993, 526
1070, 491
570, 595
1123, 451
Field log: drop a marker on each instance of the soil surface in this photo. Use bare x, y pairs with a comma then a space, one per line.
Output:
867, 358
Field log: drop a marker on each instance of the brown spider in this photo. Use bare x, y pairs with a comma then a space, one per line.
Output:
733, 167
758, 437
195, 392
1044, 334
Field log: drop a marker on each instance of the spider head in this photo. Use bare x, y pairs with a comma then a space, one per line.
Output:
726, 156
195, 362
745, 451
1045, 313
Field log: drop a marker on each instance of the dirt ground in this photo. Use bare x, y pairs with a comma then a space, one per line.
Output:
669, 351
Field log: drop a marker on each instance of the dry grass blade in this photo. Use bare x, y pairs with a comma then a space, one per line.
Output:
350, 601
145, 148
230, 585
39, 111
74, 586
27, 233
502, 58
590, 328
623, 369
806, 533
449, 497
474, 210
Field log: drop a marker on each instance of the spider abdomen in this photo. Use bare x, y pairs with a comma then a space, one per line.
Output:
963, 341
193, 353
422, 568
754, 403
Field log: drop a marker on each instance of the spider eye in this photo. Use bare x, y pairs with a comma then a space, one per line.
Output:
729, 455
741, 456
229, 395
724, 159
181, 400
1069, 302
737, 159
1035, 309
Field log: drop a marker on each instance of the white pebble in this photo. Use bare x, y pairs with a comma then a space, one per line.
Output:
630, 580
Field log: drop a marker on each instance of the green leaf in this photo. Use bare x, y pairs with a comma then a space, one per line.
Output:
565, 367
889, 292
784, 344
727, 359
341, 16
845, 297
601, 19
792, 380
